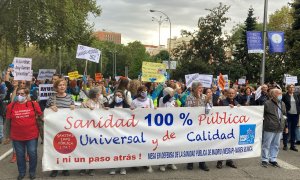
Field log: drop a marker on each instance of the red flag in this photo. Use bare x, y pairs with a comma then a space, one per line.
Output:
221, 82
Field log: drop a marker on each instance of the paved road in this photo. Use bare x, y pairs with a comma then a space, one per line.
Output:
247, 169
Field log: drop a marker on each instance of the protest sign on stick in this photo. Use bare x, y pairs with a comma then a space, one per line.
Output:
45, 91
88, 53
22, 69
153, 72
45, 74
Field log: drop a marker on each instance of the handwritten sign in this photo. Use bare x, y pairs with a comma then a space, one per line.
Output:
45, 74
205, 80
88, 53
85, 139
173, 64
291, 80
242, 81
45, 91
73, 75
22, 69
153, 72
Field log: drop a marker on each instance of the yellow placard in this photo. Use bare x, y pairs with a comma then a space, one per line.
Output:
73, 75
153, 72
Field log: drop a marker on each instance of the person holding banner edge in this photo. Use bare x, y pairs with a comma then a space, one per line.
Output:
142, 101
166, 101
60, 100
231, 102
195, 99
119, 101
94, 102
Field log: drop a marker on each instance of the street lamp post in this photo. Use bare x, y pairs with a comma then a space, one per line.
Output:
263, 62
151, 10
114, 56
160, 21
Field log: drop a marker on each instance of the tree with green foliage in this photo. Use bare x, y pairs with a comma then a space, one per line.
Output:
207, 44
294, 39
163, 55
48, 25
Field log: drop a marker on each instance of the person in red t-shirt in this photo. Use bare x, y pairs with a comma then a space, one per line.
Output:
24, 131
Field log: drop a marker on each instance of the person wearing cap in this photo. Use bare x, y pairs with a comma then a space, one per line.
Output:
164, 102
196, 99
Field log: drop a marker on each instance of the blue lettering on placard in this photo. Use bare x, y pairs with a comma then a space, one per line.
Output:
208, 136
88, 140
247, 134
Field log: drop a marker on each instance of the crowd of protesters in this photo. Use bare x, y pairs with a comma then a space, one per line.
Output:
21, 111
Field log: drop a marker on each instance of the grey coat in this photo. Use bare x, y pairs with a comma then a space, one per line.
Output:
272, 123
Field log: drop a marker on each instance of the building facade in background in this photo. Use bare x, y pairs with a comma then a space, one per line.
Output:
108, 36
153, 50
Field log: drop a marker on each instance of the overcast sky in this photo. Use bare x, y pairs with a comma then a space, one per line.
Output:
133, 19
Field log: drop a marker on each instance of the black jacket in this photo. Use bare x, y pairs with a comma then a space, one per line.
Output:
227, 102
286, 98
262, 99
244, 100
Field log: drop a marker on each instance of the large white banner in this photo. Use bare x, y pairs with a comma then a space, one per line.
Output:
96, 139
22, 69
88, 53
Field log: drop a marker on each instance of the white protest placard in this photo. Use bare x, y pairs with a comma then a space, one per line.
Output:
120, 137
241, 81
88, 53
258, 93
45, 74
45, 91
173, 64
190, 78
291, 80
206, 80
22, 69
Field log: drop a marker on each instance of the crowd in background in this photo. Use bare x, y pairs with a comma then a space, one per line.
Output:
22, 97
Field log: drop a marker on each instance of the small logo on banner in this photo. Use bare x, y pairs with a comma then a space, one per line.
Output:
247, 134
65, 142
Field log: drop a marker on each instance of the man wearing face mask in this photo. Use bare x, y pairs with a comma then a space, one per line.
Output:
273, 126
